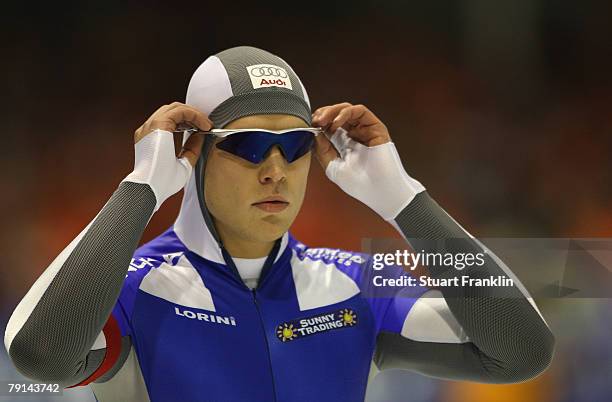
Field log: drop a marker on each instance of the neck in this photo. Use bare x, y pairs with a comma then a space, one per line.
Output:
240, 247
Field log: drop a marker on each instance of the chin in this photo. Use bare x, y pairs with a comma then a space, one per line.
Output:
270, 228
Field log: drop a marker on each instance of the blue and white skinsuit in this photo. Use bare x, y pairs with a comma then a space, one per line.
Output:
178, 319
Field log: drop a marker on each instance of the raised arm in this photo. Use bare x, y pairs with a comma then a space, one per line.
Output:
486, 334
479, 333
55, 332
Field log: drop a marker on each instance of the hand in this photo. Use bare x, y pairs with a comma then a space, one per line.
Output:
168, 117
358, 121
361, 159
156, 162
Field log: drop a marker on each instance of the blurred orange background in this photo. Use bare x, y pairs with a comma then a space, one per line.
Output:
502, 110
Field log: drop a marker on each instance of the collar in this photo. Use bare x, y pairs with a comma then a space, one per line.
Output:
192, 231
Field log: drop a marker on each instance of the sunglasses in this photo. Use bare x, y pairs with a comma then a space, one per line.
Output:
253, 144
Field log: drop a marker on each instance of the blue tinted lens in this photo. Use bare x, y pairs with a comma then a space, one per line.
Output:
254, 145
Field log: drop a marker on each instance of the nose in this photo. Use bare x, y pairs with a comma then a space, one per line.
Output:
274, 167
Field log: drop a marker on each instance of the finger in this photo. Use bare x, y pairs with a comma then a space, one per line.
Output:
197, 111
192, 148
170, 120
163, 107
159, 112
191, 115
167, 107
142, 131
175, 104
325, 151
317, 113
353, 116
361, 125
324, 109
157, 116
137, 134
324, 115
341, 119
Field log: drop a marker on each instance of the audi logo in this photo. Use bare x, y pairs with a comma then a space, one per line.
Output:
268, 72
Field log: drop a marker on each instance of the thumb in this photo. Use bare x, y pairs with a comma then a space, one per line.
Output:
324, 150
192, 148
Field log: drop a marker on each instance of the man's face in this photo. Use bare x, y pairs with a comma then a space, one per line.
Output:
233, 186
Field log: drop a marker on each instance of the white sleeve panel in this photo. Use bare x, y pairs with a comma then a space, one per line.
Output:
430, 320
100, 342
25, 307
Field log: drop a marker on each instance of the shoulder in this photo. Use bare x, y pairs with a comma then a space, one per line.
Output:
329, 264
165, 248
341, 258
161, 251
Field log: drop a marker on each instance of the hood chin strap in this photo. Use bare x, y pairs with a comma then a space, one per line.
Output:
199, 179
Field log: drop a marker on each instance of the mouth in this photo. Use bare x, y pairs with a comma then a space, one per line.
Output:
272, 204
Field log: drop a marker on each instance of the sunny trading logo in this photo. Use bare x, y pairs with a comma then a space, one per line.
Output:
291, 330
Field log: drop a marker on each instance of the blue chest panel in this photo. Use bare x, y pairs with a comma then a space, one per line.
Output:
252, 346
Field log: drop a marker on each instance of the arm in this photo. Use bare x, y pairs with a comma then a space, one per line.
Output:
50, 335
500, 336
476, 333
58, 332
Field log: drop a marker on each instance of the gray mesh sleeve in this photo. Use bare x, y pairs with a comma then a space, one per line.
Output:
53, 343
509, 341
94, 359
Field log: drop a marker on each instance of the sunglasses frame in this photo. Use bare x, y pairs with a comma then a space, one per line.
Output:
222, 132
